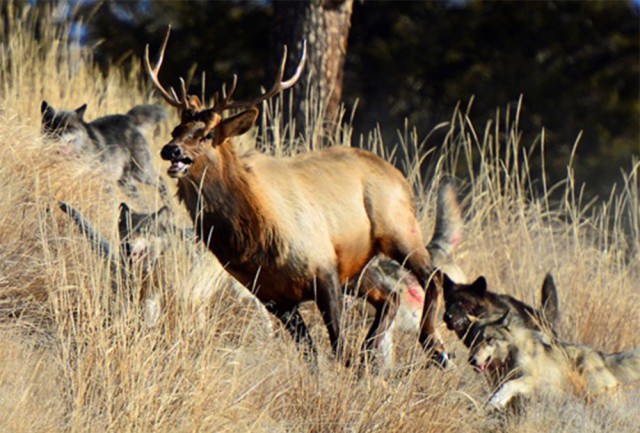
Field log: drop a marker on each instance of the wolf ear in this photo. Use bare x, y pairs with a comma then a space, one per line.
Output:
479, 286
164, 211
80, 110
239, 124
448, 286
550, 305
44, 107
505, 320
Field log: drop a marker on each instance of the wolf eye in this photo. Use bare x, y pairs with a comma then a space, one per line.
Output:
209, 136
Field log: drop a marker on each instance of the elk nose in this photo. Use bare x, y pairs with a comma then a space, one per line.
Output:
171, 152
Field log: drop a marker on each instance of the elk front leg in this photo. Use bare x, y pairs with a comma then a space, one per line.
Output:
294, 323
329, 301
429, 338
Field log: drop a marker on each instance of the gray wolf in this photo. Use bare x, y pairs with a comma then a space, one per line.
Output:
117, 140
522, 360
466, 301
142, 239
295, 229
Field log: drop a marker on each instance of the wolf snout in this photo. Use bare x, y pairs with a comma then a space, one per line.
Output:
477, 364
171, 152
448, 318
452, 323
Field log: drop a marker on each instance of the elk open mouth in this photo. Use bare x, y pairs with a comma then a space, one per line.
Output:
179, 167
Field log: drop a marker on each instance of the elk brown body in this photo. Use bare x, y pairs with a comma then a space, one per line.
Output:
295, 229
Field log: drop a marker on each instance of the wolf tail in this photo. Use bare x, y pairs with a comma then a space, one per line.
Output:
448, 231
625, 366
147, 116
98, 242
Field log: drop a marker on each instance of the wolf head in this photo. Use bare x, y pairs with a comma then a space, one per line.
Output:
492, 342
463, 302
143, 236
66, 126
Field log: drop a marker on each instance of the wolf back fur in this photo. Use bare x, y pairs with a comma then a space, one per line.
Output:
522, 360
116, 139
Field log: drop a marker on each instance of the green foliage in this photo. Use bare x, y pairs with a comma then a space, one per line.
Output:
219, 38
576, 64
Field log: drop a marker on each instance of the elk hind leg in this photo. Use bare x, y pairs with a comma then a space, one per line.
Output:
386, 303
415, 257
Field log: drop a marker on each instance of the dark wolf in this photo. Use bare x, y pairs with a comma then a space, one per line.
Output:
521, 360
116, 139
466, 302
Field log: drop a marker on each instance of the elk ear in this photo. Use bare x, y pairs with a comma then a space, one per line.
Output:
239, 123
194, 102
80, 111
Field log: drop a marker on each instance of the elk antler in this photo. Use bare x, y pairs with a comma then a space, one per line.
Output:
226, 104
170, 97
277, 87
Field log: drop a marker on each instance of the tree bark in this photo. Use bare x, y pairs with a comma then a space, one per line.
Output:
324, 24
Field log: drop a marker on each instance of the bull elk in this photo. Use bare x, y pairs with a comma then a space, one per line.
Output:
294, 229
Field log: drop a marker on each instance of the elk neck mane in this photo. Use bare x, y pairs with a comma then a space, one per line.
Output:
229, 214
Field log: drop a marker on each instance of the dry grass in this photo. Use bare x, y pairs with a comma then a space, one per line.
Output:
78, 357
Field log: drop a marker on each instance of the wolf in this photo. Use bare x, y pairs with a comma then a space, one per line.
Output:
117, 140
522, 360
464, 302
142, 239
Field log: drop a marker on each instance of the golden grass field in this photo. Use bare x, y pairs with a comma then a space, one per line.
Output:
76, 357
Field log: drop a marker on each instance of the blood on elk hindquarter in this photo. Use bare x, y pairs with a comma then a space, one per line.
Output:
294, 229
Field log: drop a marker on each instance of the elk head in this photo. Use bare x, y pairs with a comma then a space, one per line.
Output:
203, 129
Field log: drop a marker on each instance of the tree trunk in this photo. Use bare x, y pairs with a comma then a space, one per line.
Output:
325, 26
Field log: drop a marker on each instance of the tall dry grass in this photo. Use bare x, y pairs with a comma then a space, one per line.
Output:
77, 356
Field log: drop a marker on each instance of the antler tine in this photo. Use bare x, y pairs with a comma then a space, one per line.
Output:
183, 86
277, 87
170, 97
232, 89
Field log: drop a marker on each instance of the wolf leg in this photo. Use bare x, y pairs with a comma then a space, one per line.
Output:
509, 390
